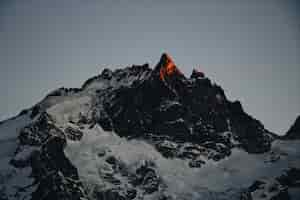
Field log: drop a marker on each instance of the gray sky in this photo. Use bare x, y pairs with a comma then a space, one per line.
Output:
251, 48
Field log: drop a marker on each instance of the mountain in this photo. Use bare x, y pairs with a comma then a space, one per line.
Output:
294, 131
142, 133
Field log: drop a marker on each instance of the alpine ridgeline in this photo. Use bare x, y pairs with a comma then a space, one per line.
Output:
139, 133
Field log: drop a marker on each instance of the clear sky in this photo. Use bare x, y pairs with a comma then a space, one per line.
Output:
250, 47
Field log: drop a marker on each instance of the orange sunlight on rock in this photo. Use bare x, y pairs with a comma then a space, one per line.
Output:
168, 68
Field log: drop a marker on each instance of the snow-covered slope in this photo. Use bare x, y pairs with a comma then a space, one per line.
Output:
92, 156
138, 133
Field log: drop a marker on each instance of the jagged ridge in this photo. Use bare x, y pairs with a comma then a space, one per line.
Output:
165, 102
157, 114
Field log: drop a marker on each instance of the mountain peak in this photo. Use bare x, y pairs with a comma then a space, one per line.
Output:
167, 67
166, 58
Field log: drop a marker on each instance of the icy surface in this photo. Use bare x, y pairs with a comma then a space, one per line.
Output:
238, 171
120, 78
71, 110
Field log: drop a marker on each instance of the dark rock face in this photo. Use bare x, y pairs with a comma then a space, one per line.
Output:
73, 134
147, 178
294, 132
167, 103
196, 163
55, 176
144, 178
192, 152
37, 133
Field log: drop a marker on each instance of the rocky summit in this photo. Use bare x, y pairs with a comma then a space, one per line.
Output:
142, 133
